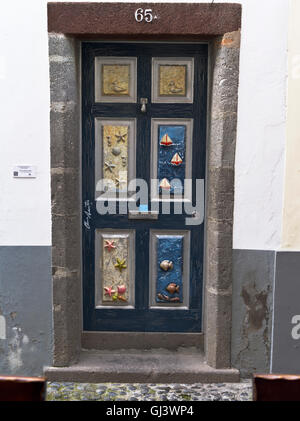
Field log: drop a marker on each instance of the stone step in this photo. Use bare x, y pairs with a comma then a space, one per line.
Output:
136, 366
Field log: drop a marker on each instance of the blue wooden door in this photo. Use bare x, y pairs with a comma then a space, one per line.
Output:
144, 119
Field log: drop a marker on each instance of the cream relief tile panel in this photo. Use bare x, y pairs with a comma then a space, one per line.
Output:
115, 153
173, 79
115, 156
115, 79
114, 268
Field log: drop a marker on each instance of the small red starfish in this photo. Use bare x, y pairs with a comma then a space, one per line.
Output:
109, 291
109, 245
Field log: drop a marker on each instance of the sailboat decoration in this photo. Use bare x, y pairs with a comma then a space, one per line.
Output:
176, 160
164, 184
166, 140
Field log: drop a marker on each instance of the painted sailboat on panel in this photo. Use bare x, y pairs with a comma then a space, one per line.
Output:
171, 154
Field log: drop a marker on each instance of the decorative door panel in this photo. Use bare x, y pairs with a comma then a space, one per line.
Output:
173, 80
114, 268
171, 155
114, 154
143, 118
169, 271
115, 79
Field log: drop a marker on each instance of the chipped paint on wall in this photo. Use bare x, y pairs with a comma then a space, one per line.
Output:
256, 304
2, 327
25, 317
286, 343
15, 354
253, 273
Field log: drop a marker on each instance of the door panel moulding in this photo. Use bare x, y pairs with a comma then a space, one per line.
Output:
217, 24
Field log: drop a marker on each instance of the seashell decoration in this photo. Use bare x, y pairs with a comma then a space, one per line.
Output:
116, 151
172, 288
121, 289
166, 265
164, 297
174, 300
124, 160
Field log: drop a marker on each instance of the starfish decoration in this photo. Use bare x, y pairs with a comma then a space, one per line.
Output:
109, 166
121, 137
120, 264
118, 182
109, 245
109, 291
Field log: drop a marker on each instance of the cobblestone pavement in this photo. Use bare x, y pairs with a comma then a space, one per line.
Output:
149, 392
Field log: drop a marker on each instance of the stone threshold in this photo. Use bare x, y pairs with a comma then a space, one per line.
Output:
141, 340
136, 366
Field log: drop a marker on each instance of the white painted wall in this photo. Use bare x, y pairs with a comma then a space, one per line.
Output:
25, 217
261, 125
24, 129
291, 209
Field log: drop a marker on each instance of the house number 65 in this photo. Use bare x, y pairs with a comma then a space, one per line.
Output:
141, 14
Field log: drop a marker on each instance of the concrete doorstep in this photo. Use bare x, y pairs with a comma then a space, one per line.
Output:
136, 366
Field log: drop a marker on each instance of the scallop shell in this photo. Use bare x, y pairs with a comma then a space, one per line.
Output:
116, 151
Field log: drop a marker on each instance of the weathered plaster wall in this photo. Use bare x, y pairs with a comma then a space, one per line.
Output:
259, 178
253, 273
286, 324
25, 309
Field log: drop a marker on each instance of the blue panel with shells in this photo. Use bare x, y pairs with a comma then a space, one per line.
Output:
171, 158
169, 269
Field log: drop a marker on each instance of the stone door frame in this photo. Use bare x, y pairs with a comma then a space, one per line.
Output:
68, 25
